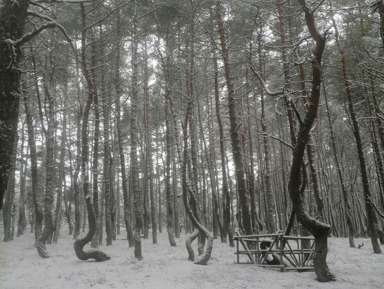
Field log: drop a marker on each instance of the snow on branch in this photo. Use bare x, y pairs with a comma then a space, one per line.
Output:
50, 24
271, 93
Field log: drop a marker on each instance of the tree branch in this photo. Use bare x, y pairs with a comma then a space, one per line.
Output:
50, 24
271, 93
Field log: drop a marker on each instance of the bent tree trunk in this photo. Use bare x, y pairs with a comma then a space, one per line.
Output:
80, 243
319, 230
188, 190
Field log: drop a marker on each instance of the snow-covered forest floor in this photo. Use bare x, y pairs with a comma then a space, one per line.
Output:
164, 267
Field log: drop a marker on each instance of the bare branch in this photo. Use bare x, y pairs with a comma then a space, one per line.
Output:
280, 140
271, 93
375, 207
50, 24
318, 5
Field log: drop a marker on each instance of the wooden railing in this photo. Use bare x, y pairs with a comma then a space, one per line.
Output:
276, 251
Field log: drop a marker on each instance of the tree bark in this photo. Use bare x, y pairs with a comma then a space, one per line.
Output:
10, 202
134, 142
124, 179
36, 193
80, 243
371, 215
50, 169
234, 129
348, 209
319, 230
12, 24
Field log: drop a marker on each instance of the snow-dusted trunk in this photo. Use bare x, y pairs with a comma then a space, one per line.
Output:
134, 141
10, 202
189, 198
49, 182
12, 26
319, 230
234, 128
80, 243
369, 206
127, 212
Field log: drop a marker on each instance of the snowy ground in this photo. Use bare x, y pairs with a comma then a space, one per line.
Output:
164, 267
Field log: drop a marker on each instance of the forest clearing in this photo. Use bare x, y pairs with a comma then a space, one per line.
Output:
165, 267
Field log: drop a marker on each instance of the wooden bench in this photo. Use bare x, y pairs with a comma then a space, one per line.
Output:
286, 252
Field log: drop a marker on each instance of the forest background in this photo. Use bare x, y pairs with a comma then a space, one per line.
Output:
214, 115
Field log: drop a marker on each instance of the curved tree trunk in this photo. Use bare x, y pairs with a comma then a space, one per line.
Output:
188, 190
80, 243
319, 230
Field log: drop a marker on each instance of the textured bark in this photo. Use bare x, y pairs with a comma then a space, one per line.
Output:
225, 190
80, 243
134, 141
188, 244
371, 215
22, 222
271, 212
378, 6
36, 193
348, 209
319, 230
50, 168
189, 198
96, 136
61, 181
168, 188
169, 144
12, 22
10, 202
127, 212
234, 128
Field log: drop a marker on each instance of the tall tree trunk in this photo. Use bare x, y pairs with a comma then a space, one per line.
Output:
80, 243
190, 202
319, 230
234, 128
271, 211
225, 190
134, 141
96, 136
61, 181
36, 193
13, 19
169, 143
347, 209
108, 191
168, 188
50, 167
22, 222
76, 179
124, 179
10, 202
369, 206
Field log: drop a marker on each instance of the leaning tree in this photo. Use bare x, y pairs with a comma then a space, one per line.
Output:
319, 230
